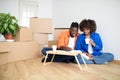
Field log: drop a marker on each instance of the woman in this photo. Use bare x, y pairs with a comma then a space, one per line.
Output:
90, 44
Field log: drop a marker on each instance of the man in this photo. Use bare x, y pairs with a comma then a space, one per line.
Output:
67, 42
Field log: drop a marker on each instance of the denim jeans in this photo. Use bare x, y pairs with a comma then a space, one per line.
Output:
57, 58
101, 59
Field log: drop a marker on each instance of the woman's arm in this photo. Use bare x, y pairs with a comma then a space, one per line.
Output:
96, 42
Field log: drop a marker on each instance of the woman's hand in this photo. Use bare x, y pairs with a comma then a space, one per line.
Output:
92, 43
89, 55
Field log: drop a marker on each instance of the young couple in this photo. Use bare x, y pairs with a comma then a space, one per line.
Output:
89, 42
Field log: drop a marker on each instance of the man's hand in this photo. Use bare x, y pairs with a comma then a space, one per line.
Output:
65, 48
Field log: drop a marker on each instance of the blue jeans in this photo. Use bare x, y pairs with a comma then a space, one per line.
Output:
101, 59
57, 58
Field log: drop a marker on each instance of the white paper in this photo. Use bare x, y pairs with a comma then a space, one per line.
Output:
76, 51
85, 56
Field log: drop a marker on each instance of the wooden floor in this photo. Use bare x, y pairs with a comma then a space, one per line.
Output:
33, 69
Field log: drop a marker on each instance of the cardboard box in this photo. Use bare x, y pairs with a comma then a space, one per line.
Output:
21, 50
53, 42
4, 46
41, 25
25, 34
57, 32
4, 53
41, 38
3, 57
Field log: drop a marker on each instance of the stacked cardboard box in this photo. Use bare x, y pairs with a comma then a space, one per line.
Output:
4, 53
17, 51
23, 48
52, 42
41, 38
28, 41
25, 34
3, 58
57, 32
41, 28
41, 25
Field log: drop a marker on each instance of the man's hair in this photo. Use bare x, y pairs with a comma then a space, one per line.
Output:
88, 24
74, 24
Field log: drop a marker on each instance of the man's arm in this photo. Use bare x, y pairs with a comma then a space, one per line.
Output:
62, 44
65, 48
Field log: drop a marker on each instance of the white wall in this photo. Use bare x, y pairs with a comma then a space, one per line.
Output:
106, 13
45, 8
10, 6
45, 11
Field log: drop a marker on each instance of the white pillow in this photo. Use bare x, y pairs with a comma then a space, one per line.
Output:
2, 38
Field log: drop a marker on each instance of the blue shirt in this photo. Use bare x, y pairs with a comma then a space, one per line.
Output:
81, 45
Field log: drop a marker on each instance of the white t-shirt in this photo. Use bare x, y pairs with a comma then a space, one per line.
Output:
90, 49
71, 42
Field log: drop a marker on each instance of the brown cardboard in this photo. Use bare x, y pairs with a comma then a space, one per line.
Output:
23, 50
57, 32
41, 38
25, 34
20, 51
41, 25
53, 42
3, 57
4, 53
4, 46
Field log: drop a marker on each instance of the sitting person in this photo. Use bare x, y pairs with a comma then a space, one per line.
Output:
90, 44
66, 41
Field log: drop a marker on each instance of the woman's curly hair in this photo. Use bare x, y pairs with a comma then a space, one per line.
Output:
88, 24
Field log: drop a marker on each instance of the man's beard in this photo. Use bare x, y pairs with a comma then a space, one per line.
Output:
73, 35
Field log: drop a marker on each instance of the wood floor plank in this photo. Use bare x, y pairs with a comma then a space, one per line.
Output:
12, 72
33, 69
3, 72
107, 73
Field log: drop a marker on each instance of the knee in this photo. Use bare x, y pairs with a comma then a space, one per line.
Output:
45, 49
110, 57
